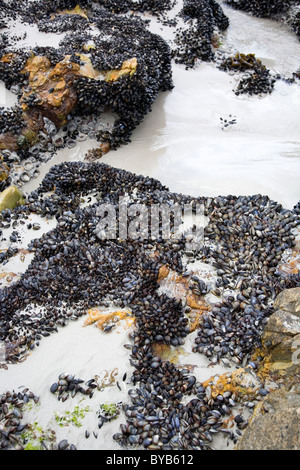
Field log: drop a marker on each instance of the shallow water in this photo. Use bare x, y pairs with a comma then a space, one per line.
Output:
183, 143
273, 42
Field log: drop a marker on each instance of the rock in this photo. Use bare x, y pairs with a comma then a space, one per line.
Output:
241, 382
120, 69
276, 419
280, 325
275, 423
128, 68
8, 141
163, 273
51, 87
10, 198
282, 332
289, 300
245, 379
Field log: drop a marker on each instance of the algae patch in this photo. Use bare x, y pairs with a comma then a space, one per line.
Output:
74, 417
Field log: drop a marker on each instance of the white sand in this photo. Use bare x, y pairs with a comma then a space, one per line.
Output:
19, 263
183, 145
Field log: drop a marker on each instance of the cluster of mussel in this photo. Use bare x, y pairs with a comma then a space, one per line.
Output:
12, 428
205, 18
129, 98
252, 234
294, 18
264, 8
157, 418
255, 77
68, 386
244, 241
8, 12
61, 23
3, 20
282, 10
11, 120
119, 39
43, 9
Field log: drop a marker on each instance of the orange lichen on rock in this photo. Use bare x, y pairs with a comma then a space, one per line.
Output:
194, 318
36, 64
292, 266
51, 86
86, 68
241, 382
51, 94
75, 11
94, 154
9, 277
128, 68
3, 275
101, 319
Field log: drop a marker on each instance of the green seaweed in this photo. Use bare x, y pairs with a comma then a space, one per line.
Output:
73, 417
110, 410
35, 435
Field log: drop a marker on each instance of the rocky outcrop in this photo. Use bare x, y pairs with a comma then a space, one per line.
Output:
289, 301
282, 333
50, 88
196, 42
276, 420
120, 69
275, 423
